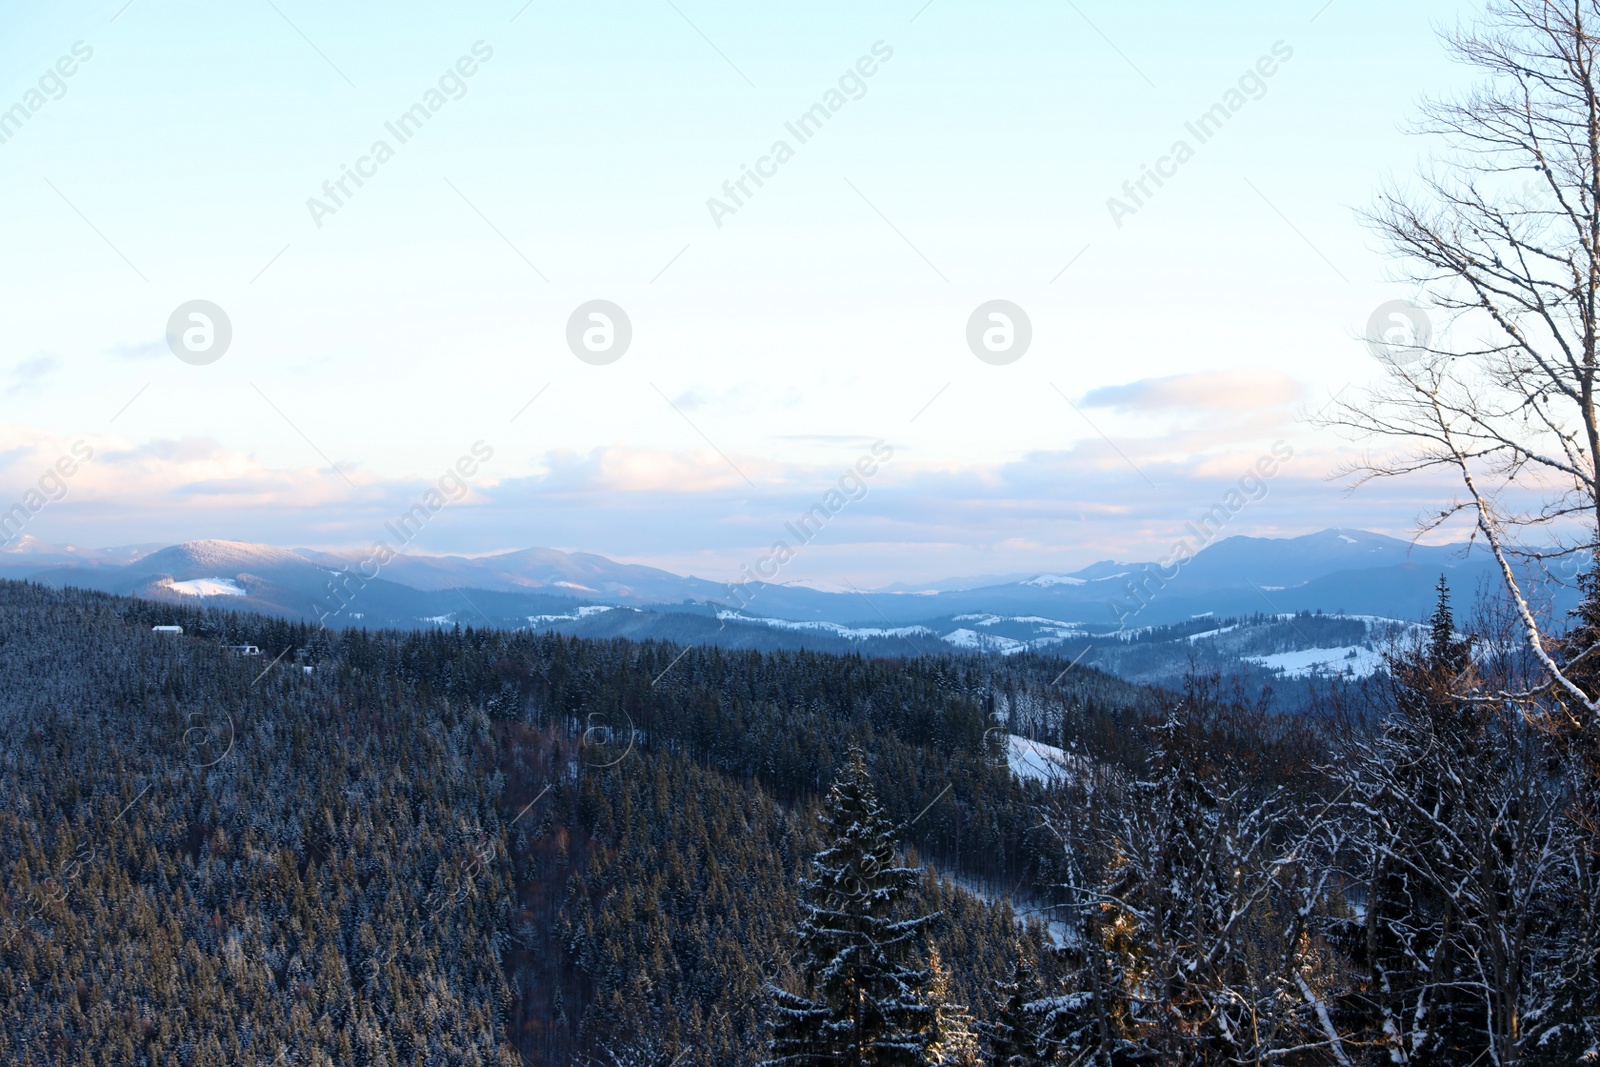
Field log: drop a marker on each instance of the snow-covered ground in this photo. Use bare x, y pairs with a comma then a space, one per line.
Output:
1192, 638
1036, 761
854, 632
1356, 661
209, 587
964, 638
1353, 660
1054, 631
1045, 581
1057, 627
582, 613
1024, 907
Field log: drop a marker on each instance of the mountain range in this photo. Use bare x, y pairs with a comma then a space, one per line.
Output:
1350, 573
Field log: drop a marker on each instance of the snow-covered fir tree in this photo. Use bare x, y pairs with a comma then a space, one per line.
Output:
1573, 1010
865, 1001
1014, 1037
1200, 927
951, 1042
1460, 834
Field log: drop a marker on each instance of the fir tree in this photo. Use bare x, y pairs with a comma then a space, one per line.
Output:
1206, 877
1574, 1012
865, 1003
1461, 839
1013, 1036
1404, 777
1442, 643
950, 1038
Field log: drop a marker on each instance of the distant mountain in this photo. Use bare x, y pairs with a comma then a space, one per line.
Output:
1294, 561
29, 553
1349, 572
277, 581
566, 573
955, 585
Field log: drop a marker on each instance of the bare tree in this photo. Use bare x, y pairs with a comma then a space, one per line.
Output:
1504, 238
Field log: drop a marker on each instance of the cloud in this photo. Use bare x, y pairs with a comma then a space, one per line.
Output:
703, 399
691, 400
614, 469
687, 509
144, 350
1205, 392
826, 438
30, 372
169, 450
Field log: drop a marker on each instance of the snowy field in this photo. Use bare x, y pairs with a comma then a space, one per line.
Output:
209, 587
853, 632
1036, 761
972, 639
1352, 660
582, 613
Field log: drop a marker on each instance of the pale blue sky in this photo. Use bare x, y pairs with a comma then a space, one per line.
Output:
827, 312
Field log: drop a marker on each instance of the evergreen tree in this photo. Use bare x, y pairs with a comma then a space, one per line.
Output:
1574, 1012
865, 1003
950, 1038
1203, 946
1013, 1036
1460, 836
1412, 947
1442, 643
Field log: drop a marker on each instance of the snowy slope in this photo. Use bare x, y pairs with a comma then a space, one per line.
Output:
209, 587
838, 630
1036, 761
1352, 660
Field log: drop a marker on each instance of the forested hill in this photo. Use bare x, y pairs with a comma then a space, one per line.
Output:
466, 847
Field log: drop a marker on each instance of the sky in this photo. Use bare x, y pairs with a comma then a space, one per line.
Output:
780, 336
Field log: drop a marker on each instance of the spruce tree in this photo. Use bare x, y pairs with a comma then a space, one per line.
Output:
1405, 783
1459, 828
865, 1001
1013, 1037
1442, 643
1575, 980
951, 1042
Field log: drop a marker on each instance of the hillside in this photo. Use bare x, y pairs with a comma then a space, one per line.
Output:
441, 847
479, 846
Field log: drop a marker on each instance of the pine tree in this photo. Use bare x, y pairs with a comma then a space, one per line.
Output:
865, 1003
1204, 945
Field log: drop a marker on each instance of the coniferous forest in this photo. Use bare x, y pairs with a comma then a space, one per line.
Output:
489, 847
